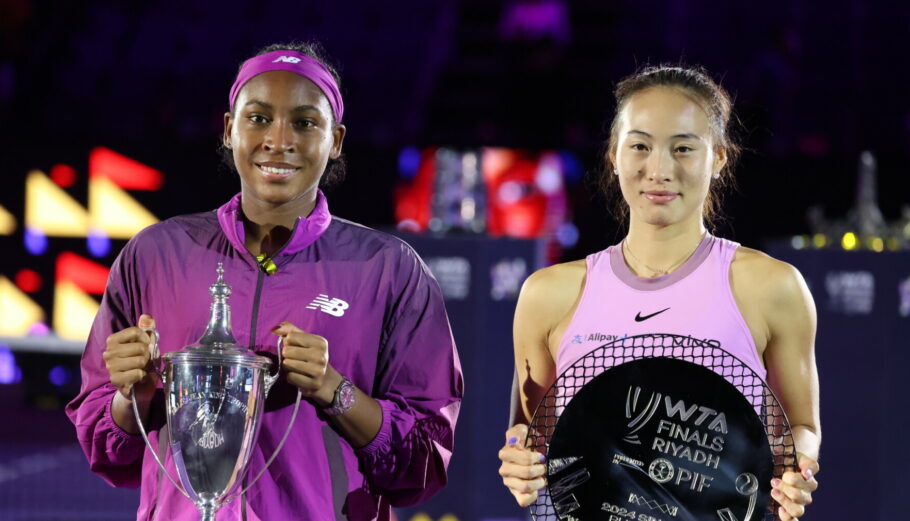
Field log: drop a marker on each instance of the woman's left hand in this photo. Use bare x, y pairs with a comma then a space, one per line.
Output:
794, 490
306, 359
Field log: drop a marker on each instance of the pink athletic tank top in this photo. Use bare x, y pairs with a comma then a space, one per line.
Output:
695, 300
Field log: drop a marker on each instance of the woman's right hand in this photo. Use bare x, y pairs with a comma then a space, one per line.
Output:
522, 469
127, 358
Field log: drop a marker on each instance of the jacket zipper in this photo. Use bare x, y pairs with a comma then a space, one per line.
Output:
260, 277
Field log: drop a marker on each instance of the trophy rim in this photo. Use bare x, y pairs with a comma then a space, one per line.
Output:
230, 357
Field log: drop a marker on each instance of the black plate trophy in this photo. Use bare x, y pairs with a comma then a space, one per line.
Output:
660, 428
215, 392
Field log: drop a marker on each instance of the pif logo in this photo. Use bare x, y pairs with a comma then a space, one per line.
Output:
287, 59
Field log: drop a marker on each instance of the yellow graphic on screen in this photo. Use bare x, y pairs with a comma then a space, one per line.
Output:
54, 213
50, 210
7, 222
18, 313
74, 311
114, 212
423, 516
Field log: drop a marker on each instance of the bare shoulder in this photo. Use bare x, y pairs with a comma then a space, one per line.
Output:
557, 274
775, 290
556, 282
761, 275
550, 293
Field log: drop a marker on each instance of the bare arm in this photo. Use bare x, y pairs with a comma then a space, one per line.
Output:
534, 365
790, 358
546, 301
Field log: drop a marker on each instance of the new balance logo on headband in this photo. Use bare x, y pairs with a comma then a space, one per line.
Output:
287, 59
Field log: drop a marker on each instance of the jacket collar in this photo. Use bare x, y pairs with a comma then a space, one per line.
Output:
306, 230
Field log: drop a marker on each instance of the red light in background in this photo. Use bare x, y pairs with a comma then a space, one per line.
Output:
63, 175
412, 201
87, 275
126, 173
517, 207
28, 280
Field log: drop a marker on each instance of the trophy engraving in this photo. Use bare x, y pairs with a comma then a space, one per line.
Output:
215, 392
659, 428
643, 418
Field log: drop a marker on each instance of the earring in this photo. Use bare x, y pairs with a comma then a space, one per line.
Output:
615, 172
716, 175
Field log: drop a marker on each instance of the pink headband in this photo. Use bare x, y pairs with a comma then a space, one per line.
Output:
296, 62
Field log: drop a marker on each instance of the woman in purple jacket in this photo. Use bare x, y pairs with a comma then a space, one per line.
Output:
366, 337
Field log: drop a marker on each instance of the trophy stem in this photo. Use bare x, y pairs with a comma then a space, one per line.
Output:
207, 511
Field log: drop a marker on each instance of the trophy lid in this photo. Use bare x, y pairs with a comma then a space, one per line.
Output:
217, 344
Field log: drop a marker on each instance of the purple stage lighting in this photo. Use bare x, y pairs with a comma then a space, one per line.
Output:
9, 371
35, 241
408, 162
60, 375
98, 244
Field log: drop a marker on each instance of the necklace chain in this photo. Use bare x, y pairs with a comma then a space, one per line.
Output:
659, 272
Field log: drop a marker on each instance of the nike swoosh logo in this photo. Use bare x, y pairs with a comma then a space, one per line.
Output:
639, 318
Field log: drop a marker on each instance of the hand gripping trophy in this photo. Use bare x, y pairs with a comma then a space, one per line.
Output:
214, 393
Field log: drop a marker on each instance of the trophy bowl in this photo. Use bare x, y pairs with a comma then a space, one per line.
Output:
214, 407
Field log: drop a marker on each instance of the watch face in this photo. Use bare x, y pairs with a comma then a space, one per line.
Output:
346, 395
343, 400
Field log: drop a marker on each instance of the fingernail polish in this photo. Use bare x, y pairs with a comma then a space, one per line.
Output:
543, 458
807, 474
513, 440
775, 492
775, 482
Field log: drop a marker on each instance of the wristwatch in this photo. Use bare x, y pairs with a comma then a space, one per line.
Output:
343, 400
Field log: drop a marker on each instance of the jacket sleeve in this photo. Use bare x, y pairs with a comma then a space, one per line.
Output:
419, 387
112, 452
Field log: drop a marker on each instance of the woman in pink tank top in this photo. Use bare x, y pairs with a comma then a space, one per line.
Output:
668, 154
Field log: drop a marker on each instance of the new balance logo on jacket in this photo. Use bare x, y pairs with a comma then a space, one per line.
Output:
332, 306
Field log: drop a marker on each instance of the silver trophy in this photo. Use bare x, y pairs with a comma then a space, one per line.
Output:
215, 391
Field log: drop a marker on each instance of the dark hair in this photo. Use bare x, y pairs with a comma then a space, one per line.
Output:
335, 168
696, 82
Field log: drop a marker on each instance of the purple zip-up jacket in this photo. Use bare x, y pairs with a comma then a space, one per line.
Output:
366, 292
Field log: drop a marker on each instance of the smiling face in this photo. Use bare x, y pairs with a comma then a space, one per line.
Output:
665, 154
281, 135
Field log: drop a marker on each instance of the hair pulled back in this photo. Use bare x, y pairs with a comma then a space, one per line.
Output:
695, 82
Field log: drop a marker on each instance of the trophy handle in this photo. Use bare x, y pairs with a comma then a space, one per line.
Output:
269, 382
155, 362
277, 449
155, 358
270, 379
